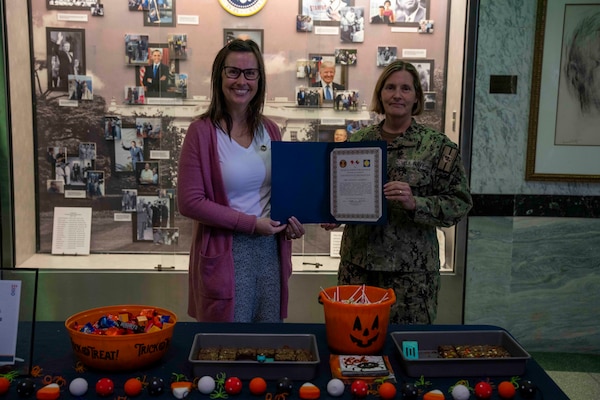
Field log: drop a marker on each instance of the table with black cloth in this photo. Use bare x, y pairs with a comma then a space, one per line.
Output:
54, 358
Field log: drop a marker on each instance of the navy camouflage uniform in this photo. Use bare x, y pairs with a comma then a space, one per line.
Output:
403, 254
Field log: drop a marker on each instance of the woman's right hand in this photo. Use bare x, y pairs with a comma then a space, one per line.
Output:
267, 227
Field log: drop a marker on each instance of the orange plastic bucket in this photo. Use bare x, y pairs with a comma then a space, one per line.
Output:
354, 325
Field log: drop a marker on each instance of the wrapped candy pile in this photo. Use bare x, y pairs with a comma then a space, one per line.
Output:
125, 323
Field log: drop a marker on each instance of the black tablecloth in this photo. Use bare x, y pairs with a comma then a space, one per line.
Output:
54, 358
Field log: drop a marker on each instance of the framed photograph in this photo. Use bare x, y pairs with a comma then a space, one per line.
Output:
304, 23
152, 214
159, 76
136, 49
128, 151
177, 46
425, 70
65, 49
429, 104
94, 185
346, 100
327, 70
309, 96
352, 25
148, 128
564, 144
254, 34
160, 13
55, 186
80, 87
147, 172
128, 200
346, 56
386, 55
324, 12
112, 127
71, 5
409, 12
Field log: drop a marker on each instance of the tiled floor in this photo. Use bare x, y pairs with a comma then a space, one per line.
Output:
578, 385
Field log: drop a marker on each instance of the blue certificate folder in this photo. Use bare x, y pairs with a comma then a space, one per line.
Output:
300, 178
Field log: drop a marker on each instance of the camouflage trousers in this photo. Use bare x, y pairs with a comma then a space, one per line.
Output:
416, 292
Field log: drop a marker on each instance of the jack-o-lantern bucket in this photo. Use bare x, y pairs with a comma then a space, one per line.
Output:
356, 318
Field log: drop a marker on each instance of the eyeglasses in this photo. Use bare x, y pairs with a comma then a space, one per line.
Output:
233, 73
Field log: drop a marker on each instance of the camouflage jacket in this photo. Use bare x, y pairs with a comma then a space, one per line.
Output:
431, 164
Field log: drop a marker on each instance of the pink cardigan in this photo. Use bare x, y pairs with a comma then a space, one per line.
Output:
201, 197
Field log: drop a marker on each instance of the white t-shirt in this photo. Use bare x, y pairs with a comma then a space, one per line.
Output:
247, 173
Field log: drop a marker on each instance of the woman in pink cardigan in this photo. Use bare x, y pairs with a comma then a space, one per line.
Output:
240, 260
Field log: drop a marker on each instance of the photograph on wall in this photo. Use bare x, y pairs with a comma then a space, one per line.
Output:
177, 43
257, 35
147, 172
386, 55
134, 95
304, 23
425, 70
55, 186
129, 200
56, 155
160, 13
381, 12
112, 127
346, 100
80, 87
145, 5
65, 49
136, 49
352, 25
94, 186
329, 76
410, 12
345, 56
152, 213
71, 4
167, 236
309, 96
425, 26
324, 12
181, 85
148, 128
429, 103
306, 69
128, 151
87, 150
75, 171
97, 10
159, 75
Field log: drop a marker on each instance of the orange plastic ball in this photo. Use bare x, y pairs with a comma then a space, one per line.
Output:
133, 387
257, 386
506, 390
387, 391
4, 385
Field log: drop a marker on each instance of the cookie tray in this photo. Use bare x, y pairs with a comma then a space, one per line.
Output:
248, 369
429, 364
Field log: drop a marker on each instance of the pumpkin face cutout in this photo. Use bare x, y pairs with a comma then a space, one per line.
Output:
364, 337
355, 327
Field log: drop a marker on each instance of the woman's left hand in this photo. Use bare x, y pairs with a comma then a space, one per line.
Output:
294, 229
400, 191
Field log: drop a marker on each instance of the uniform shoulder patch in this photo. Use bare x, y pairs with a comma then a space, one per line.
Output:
447, 159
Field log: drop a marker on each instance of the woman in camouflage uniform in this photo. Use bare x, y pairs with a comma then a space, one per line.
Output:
426, 188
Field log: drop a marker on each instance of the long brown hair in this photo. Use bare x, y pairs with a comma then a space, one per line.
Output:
395, 66
217, 110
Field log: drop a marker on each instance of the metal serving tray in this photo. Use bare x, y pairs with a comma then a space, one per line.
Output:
301, 370
429, 364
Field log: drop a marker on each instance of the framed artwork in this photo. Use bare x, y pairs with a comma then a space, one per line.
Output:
148, 128
304, 23
564, 144
128, 200
425, 68
147, 172
386, 55
80, 87
352, 25
71, 5
429, 103
112, 127
309, 96
65, 49
127, 151
177, 44
160, 13
254, 34
94, 184
409, 12
346, 100
324, 12
162, 81
325, 65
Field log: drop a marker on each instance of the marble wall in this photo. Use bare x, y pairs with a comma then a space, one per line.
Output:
533, 260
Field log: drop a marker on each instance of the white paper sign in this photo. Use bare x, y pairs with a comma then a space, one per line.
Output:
72, 230
10, 297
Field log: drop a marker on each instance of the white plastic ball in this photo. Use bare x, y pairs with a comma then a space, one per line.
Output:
78, 387
335, 387
460, 392
206, 384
